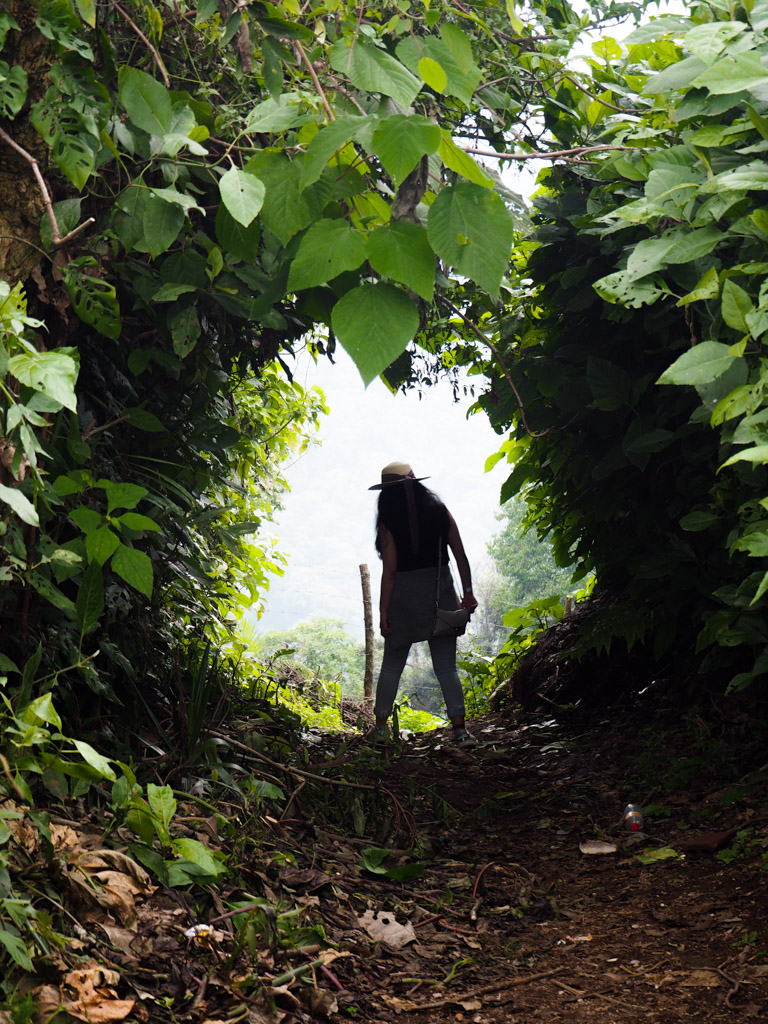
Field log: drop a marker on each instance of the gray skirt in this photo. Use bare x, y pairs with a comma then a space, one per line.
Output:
412, 608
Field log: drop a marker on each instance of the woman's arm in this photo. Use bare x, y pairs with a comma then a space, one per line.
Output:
468, 599
388, 570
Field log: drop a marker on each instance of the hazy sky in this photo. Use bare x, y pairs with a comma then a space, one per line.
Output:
328, 523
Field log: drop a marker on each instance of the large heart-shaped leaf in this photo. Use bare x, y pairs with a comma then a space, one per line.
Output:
374, 323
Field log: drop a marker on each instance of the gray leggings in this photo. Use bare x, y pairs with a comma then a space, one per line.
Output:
443, 651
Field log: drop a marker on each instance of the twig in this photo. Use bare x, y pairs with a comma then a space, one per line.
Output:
605, 103
57, 239
292, 797
315, 81
97, 430
296, 772
479, 877
483, 991
150, 47
487, 341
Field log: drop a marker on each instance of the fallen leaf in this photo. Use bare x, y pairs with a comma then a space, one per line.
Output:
597, 846
382, 927
701, 979
651, 856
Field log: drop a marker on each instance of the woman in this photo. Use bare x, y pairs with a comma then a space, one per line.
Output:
413, 533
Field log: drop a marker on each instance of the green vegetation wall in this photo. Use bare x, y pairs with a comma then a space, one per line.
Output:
634, 338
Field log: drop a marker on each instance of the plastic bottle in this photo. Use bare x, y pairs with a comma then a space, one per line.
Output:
633, 818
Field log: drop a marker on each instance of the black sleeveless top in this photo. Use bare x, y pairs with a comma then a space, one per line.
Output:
433, 527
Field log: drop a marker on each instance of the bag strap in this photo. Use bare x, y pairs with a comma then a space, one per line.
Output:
439, 567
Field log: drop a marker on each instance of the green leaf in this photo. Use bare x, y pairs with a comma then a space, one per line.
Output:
374, 323
242, 194
172, 195
16, 950
41, 709
172, 290
51, 593
86, 519
67, 214
695, 522
755, 544
734, 73
456, 159
147, 102
471, 229
707, 287
100, 544
52, 373
185, 330
90, 598
701, 364
756, 455
142, 419
96, 760
94, 300
161, 224
122, 495
752, 176
329, 140
688, 245
275, 115
373, 860
134, 567
58, 22
709, 40
136, 521
162, 803
374, 70
20, 504
286, 208
433, 74
7, 22
87, 10
13, 89
76, 156
648, 256
194, 851
653, 856
735, 306
237, 241
676, 76
400, 141
453, 55
402, 251
327, 249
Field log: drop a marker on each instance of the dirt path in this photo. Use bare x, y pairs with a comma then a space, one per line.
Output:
513, 922
429, 884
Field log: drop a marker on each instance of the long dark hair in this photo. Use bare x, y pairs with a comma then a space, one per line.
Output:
392, 512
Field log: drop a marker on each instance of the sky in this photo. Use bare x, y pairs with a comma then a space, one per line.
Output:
327, 526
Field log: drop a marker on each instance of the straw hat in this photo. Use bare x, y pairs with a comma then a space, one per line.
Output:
396, 473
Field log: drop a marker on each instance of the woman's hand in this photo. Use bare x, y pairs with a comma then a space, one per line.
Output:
385, 625
469, 601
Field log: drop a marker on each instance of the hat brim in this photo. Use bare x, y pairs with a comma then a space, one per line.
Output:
392, 483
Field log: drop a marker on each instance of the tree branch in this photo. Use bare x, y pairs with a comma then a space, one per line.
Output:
57, 239
487, 341
149, 46
316, 81
605, 103
577, 151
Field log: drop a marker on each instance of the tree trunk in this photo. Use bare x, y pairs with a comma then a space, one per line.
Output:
21, 202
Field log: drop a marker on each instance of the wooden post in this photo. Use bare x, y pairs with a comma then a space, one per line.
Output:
365, 579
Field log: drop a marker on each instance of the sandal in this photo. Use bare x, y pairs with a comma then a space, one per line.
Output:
464, 739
